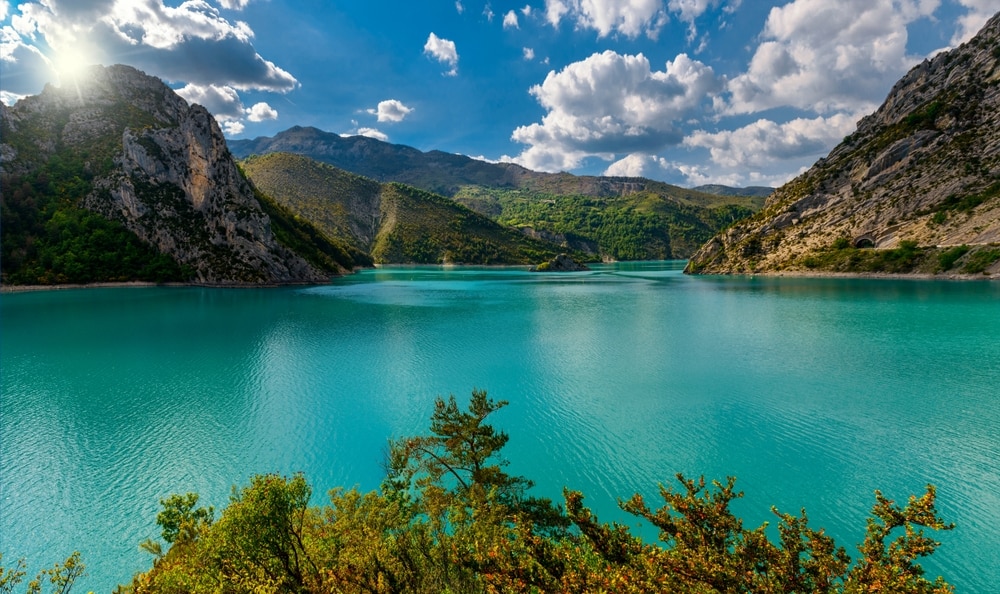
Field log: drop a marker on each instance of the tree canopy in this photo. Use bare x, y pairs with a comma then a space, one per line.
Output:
449, 518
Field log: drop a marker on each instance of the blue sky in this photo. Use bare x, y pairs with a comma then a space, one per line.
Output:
741, 92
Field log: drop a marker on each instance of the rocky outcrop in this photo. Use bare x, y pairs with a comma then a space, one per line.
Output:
923, 169
162, 168
561, 263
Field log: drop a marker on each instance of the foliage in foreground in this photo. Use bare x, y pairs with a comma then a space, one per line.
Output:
449, 518
58, 579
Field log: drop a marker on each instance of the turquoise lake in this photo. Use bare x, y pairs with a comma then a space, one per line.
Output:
812, 392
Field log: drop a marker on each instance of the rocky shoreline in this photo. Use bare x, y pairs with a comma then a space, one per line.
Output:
142, 284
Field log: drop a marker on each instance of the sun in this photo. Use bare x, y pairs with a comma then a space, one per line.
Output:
71, 63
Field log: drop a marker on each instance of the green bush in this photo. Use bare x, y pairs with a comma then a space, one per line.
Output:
947, 258
980, 261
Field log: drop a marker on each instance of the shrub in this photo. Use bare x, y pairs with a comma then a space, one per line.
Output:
947, 258
980, 261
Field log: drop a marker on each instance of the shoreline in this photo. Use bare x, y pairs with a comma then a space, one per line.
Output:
921, 276
773, 274
148, 284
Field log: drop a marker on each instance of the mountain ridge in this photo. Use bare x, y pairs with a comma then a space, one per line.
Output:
447, 173
393, 222
914, 190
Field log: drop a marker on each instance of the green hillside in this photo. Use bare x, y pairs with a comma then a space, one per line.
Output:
48, 236
643, 225
391, 223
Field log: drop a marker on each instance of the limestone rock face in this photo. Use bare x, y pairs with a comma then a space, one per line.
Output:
162, 169
924, 168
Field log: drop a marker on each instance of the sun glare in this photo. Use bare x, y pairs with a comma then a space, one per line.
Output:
71, 64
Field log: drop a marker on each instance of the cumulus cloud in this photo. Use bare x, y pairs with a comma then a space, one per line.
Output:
190, 43
765, 142
689, 10
391, 110
828, 56
529, 54
234, 4
459, 6
610, 104
979, 11
4, 8
232, 127
626, 17
641, 165
444, 51
261, 112
223, 101
373, 133
510, 20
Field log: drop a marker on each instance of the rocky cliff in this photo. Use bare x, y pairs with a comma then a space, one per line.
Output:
915, 189
144, 158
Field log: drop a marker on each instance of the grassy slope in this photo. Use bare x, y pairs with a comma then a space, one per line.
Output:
393, 223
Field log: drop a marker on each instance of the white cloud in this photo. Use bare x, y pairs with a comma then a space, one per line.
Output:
510, 20
189, 43
225, 104
391, 110
688, 11
764, 142
373, 133
8, 98
610, 104
641, 165
25, 68
260, 112
488, 12
529, 54
221, 100
232, 127
4, 9
444, 51
555, 10
234, 4
526, 11
828, 56
979, 11
459, 7
627, 17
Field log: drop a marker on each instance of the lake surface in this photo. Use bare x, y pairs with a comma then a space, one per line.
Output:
813, 392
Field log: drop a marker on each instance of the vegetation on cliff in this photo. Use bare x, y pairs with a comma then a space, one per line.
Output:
449, 518
920, 175
49, 238
119, 179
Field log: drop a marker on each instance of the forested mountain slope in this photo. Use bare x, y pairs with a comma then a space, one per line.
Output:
392, 222
916, 189
116, 178
615, 218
